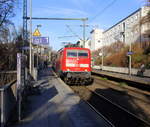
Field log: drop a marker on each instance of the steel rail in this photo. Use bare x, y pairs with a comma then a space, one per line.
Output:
139, 91
119, 107
95, 110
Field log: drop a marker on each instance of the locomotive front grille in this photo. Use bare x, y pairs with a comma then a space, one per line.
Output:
78, 75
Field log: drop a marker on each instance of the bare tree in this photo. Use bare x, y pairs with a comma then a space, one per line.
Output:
6, 11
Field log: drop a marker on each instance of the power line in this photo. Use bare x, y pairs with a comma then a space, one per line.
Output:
73, 32
104, 9
66, 36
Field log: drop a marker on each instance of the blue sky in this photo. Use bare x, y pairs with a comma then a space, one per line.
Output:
75, 9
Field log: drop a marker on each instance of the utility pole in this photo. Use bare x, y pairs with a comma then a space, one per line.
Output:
102, 57
130, 55
24, 23
130, 59
37, 50
84, 33
30, 56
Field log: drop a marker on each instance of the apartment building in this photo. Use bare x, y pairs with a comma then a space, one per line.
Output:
128, 30
96, 39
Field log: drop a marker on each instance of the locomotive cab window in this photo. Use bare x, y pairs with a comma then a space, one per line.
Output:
71, 53
83, 53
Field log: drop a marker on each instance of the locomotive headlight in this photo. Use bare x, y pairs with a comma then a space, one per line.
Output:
84, 65
87, 75
68, 75
85, 69
68, 69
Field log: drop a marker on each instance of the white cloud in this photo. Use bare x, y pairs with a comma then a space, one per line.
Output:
58, 11
83, 3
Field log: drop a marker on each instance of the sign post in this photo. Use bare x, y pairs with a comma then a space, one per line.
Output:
36, 34
21, 62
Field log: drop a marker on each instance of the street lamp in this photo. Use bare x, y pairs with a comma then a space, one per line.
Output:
101, 54
130, 53
130, 49
39, 26
130, 58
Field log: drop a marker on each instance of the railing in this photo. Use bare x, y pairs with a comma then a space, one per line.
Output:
123, 70
8, 97
13, 90
7, 76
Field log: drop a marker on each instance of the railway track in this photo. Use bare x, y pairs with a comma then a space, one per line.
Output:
132, 91
134, 100
117, 115
129, 82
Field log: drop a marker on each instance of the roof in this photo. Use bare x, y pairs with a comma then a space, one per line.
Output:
76, 48
122, 20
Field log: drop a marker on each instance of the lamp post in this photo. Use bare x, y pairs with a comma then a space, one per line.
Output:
130, 53
130, 49
38, 47
30, 53
130, 59
102, 59
102, 55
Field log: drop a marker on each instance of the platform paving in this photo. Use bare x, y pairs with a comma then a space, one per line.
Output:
137, 79
58, 106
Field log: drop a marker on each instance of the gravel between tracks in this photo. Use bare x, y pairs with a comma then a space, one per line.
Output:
115, 115
134, 100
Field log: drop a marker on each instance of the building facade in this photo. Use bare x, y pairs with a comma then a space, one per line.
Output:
96, 39
128, 30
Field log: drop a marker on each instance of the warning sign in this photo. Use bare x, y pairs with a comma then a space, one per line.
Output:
36, 32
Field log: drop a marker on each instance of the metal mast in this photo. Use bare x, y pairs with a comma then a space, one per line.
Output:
25, 36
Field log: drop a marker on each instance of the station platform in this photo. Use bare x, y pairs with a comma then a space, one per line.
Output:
58, 106
133, 78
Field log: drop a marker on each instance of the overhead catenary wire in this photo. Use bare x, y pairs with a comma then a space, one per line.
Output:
67, 36
73, 32
102, 11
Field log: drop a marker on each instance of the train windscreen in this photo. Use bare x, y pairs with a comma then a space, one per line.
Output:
82, 53
72, 53
77, 53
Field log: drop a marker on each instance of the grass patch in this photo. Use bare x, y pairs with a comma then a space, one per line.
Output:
104, 78
123, 84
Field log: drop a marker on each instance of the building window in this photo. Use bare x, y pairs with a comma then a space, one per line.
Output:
127, 34
131, 20
127, 22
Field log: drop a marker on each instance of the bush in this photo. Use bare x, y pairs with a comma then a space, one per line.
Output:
118, 57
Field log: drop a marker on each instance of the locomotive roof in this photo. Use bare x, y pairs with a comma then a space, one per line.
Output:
72, 48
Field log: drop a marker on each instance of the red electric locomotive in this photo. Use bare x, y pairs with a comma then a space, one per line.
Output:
73, 64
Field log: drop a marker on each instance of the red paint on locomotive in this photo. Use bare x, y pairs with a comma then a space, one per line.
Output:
74, 59
74, 63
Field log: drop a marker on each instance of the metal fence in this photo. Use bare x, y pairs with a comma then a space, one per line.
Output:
12, 85
123, 70
14, 88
